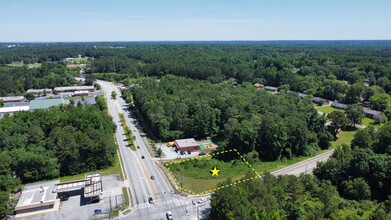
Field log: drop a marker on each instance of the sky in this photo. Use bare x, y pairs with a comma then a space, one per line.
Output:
195, 20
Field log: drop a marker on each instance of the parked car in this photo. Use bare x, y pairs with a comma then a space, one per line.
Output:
142, 157
169, 215
150, 200
202, 200
64, 197
153, 177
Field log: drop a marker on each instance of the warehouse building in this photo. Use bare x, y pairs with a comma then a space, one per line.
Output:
12, 110
12, 99
47, 103
74, 88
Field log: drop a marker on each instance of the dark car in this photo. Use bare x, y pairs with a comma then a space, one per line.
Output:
153, 177
64, 197
150, 200
138, 146
142, 157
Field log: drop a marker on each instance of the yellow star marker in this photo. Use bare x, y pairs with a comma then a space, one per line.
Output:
215, 172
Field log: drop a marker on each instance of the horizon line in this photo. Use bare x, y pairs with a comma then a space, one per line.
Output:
141, 41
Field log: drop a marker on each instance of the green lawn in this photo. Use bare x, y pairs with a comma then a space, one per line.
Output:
326, 109
115, 169
195, 175
344, 137
369, 121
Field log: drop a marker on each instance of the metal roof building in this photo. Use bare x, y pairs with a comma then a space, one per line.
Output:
12, 98
74, 88
47, 103
12, 110
39, 91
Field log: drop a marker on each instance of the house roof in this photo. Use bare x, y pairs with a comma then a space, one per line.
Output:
301, 95
189, 142
270, 88
339, 105
371, 112
317, 99
46, 103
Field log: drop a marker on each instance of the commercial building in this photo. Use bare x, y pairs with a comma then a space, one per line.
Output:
12, 99
187, 145
81, 93
74, 88
37, 197
47, 103
12, 110
39, 91
44, 197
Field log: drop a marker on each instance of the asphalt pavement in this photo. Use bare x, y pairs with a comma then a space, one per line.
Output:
139, 171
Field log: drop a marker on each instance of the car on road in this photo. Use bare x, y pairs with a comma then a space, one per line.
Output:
142, 157
150, 200
202, 200
169, 215
138, 146
152, 177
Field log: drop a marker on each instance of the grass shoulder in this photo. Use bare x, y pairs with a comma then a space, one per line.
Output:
114, 169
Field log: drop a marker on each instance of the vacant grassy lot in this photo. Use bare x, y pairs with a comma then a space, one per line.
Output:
195, 175
344, 137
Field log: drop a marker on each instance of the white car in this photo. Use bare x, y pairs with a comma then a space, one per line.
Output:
169, 215
202, 200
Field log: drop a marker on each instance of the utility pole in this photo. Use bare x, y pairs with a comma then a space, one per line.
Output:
110, 208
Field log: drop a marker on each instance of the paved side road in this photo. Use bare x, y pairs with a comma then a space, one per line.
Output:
306, 166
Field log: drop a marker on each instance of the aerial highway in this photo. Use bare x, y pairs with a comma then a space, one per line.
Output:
139, 171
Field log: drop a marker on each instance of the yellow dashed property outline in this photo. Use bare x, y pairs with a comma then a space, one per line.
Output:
217, 188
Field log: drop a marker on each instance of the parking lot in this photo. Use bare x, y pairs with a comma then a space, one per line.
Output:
76, 207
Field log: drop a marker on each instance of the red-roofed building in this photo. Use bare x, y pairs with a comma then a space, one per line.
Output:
188, 145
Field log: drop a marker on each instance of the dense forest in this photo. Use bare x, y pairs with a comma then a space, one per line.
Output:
353, 184
347, 71
240, 117
17, 80
43, 145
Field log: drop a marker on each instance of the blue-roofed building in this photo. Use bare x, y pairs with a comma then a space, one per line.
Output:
47, 103
338, 105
